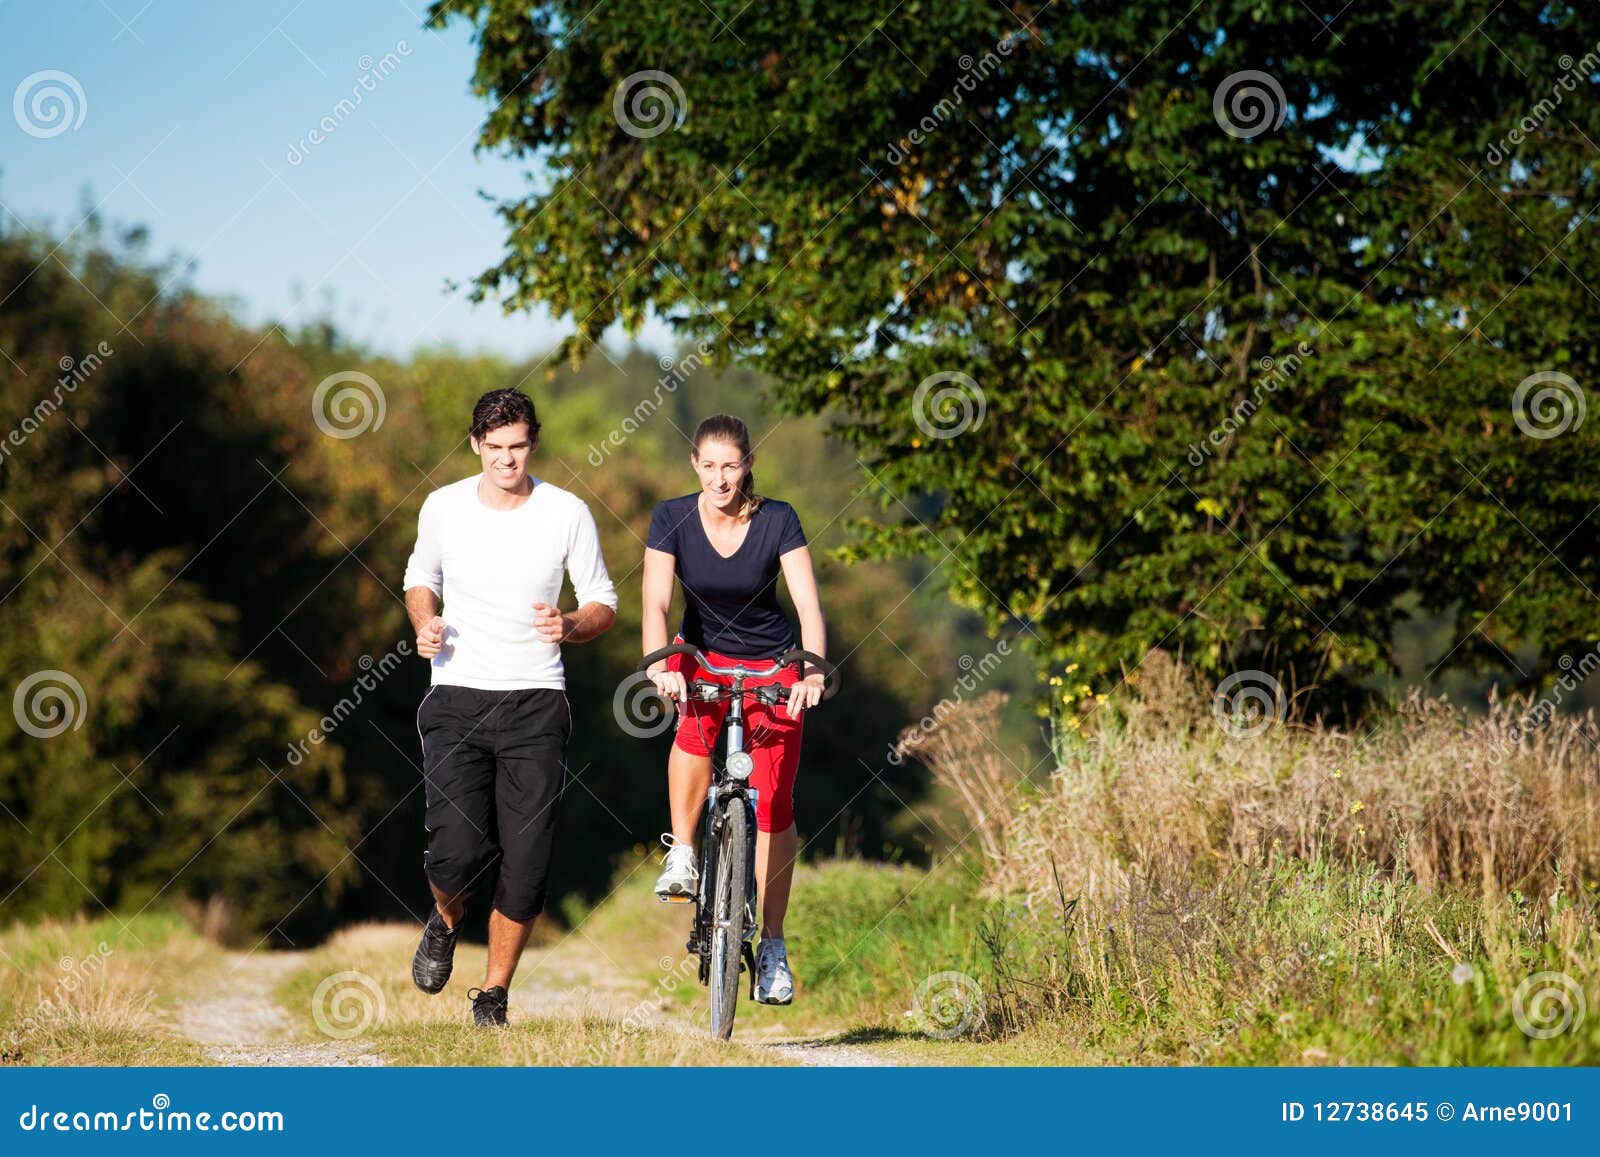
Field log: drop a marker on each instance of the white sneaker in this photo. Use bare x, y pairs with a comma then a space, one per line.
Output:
774, 982
678, 879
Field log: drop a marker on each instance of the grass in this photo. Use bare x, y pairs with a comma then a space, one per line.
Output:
98, 992
1421, 892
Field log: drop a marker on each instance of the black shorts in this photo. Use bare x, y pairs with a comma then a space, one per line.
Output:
494, 764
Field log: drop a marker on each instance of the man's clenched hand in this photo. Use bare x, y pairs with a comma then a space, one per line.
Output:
431, 637
550, 623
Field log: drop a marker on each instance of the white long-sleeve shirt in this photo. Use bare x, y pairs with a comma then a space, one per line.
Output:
490, 567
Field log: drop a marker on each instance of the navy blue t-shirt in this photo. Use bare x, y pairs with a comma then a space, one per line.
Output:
732, 603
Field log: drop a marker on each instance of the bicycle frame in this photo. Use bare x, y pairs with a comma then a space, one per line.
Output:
730, 802
725, 786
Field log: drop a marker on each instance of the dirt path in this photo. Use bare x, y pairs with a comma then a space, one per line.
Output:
574, 977
820, 1053
236, 1019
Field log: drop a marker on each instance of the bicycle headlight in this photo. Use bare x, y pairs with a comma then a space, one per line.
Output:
740, 765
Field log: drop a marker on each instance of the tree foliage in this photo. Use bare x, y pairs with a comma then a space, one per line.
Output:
1246, 362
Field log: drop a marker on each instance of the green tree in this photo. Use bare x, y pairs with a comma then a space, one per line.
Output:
142, 751
1242, 295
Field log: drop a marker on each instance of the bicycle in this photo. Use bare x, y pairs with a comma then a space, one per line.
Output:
719, 935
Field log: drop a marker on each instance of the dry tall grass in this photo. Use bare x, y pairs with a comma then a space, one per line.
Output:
1156, 784
96, 992
1207, 881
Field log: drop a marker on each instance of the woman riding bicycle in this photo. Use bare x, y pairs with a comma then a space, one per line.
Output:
726, 545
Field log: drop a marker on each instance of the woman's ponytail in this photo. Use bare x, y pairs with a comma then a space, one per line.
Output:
752, 500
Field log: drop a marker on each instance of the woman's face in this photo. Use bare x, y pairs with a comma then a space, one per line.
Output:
721, 467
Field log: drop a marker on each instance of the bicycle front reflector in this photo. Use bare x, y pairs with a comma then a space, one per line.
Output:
740, 765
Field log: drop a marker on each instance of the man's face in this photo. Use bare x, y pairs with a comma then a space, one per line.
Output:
504, 452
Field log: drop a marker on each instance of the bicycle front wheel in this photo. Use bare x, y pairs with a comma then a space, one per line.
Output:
727, 925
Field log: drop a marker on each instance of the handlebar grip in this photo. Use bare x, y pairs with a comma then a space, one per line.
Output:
830, 673
668, 651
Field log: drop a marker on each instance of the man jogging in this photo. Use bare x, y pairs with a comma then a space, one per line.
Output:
495, 723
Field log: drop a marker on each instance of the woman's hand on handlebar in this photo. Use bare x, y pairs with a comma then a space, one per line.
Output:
805, 693
670, 685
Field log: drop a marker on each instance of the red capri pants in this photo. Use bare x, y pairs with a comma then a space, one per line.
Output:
772, 735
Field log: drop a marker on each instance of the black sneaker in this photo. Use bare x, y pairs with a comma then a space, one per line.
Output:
430, 967
488, 1007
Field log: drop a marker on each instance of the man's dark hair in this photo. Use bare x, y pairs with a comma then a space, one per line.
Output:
504, 408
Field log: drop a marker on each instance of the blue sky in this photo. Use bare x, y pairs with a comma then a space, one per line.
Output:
191, 114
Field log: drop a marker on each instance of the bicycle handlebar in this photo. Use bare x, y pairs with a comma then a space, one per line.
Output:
830, 673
